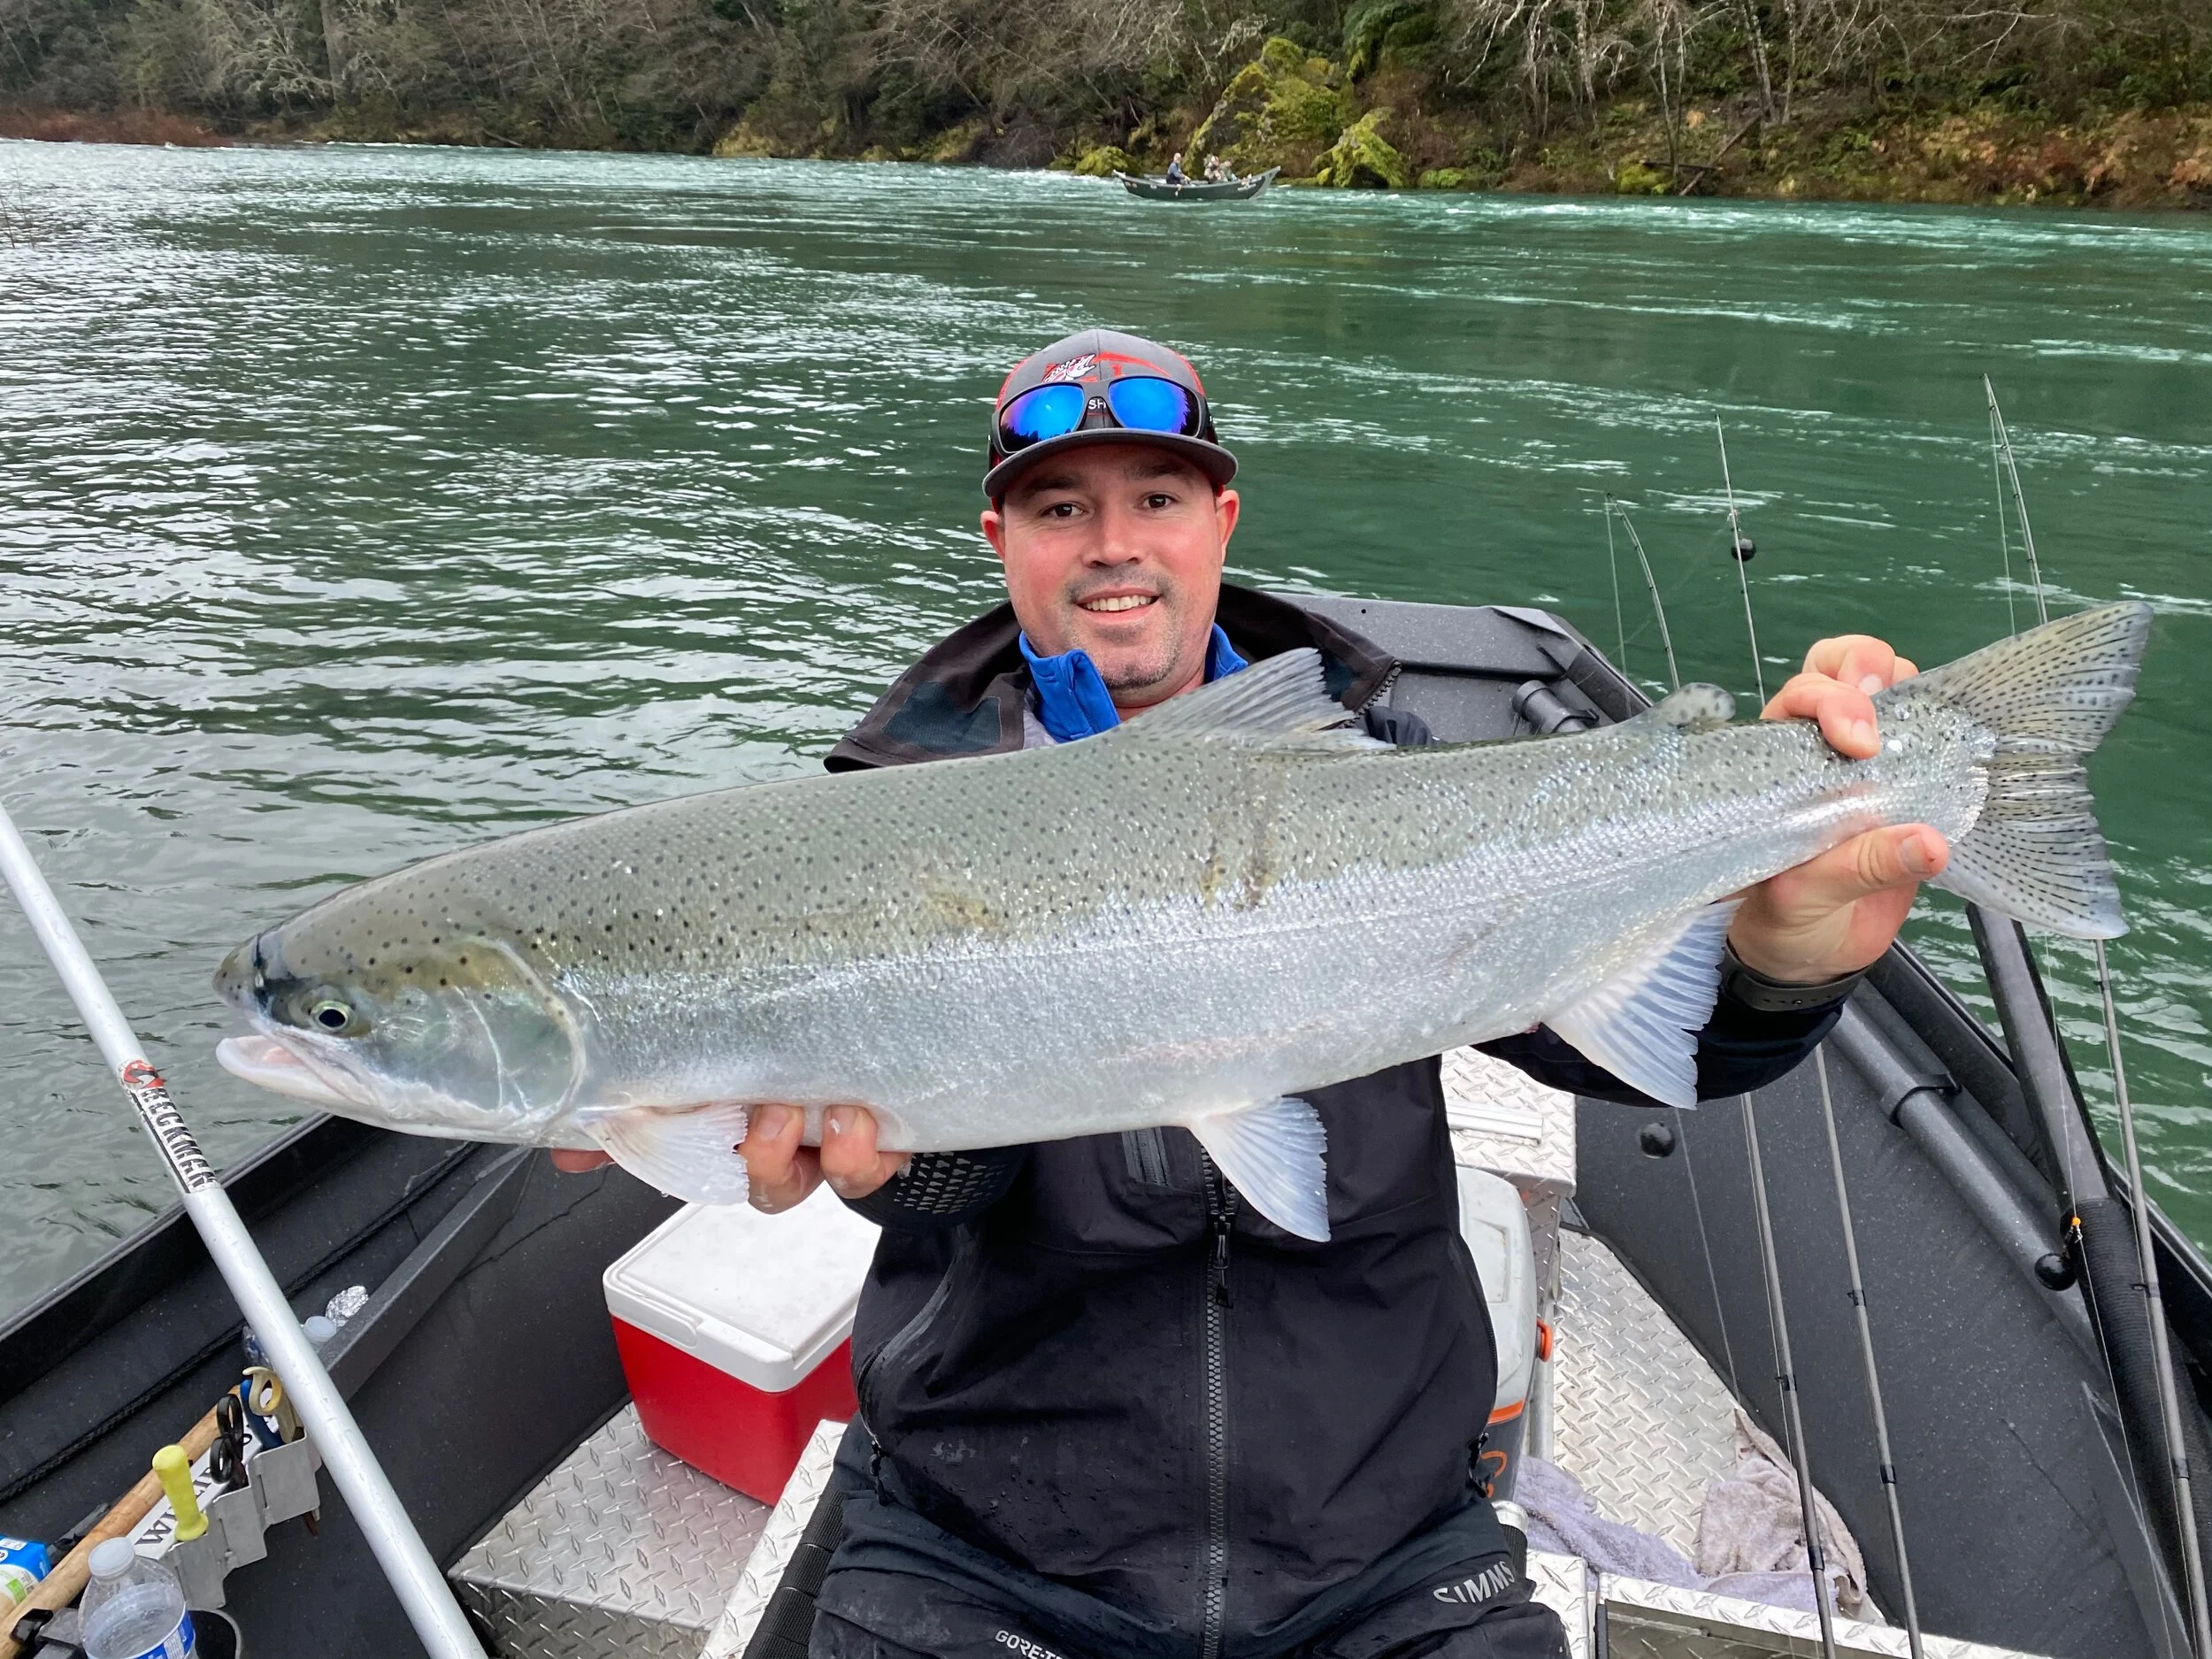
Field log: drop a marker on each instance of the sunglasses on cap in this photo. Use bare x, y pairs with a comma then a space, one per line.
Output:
1136, 402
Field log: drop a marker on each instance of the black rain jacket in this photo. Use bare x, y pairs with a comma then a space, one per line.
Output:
1090, 1372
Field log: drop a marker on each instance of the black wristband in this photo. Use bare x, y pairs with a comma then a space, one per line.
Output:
1763, 994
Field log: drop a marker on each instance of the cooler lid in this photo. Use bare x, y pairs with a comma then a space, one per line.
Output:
763, 1298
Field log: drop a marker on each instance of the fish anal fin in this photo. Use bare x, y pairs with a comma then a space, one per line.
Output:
687, 1152
1277, 700
1641, 1025
1273, 1154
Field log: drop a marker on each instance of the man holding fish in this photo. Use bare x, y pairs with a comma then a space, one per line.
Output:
1125, 1030
1112, 530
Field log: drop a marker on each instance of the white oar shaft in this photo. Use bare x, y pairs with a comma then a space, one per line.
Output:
415, 1579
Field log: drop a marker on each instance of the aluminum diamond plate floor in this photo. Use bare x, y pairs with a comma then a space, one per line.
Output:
1639, 1419
622, 1550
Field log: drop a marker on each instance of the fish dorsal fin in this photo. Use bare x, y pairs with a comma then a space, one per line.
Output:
1641, 1025
1696, 706
1277, 700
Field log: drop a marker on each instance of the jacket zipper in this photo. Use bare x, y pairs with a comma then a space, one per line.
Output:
964, 1247
1221, 1210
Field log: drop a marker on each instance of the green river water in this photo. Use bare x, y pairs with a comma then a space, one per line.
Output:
359, 503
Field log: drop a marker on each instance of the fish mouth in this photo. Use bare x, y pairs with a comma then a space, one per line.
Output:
271, 1064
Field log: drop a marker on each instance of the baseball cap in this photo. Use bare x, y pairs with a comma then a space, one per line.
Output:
1093, 360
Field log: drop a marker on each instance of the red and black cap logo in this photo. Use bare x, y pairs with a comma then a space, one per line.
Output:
1132, 390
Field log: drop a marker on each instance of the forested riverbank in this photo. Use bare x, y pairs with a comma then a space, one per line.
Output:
2060, 101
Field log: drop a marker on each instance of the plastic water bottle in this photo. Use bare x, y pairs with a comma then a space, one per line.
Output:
133, 1608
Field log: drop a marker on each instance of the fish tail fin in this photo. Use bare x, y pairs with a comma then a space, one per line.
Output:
2049, 697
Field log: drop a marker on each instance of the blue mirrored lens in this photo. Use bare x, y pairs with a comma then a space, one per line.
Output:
1151, 405
1042, 412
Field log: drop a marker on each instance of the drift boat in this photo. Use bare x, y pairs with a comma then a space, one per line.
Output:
1197, 190
2028, 1459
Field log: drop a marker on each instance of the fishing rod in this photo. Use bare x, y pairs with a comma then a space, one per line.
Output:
1997, 478
1885, 1459
1613, 569
1785, 1373
1689, 1159
2145, 1251
2001, 441
421, 1588
1888, 1461
1743, 551
1674, 673
1770, 1262
2162, 1355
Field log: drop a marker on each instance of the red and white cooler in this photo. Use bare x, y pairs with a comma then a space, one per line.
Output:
735, 1331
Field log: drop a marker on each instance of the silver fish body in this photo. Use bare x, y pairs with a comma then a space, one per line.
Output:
1189, 920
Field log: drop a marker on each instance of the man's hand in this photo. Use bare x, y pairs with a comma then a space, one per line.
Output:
782, 1171
1836, 914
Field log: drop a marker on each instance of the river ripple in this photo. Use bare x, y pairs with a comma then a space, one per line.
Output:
358, 502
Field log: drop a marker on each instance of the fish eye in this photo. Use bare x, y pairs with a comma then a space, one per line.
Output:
333, 1013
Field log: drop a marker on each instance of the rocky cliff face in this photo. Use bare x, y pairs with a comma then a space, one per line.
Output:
1290, 109
1282, 110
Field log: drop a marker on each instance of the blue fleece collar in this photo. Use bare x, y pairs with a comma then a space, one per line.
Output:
1072, 700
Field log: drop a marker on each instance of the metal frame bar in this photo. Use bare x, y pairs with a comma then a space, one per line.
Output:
415, 1579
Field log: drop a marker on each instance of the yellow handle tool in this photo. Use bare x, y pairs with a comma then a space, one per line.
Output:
174, 1472
265, 1396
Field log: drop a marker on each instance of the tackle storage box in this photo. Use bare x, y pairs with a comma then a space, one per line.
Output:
735, 1332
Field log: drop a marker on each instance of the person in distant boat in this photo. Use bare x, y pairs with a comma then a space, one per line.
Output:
1215, 173
1175, 174
1106, 1409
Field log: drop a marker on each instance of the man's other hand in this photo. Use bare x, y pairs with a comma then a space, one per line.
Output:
1836, 914
782, 1171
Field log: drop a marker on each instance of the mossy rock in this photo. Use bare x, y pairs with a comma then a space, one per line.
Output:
1282, 56
1103, 161
1278, 111
959, 144
1377, 24
1363, 159
743, 141
1635, 178
1450, 179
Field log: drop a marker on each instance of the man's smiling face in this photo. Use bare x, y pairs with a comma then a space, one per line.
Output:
1117, 549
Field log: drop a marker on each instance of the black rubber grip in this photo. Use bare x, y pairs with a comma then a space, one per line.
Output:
786, 1623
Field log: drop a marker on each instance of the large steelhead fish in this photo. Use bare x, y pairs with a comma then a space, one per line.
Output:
1188, 920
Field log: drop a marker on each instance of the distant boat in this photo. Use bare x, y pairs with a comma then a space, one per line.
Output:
1197, 190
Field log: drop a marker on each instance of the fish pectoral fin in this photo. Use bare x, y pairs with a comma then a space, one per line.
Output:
1641, 1025
1280, 700
1272, 1155
687, 1152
